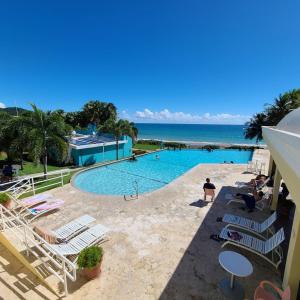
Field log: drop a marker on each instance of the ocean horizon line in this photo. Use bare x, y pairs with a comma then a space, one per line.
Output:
189, 124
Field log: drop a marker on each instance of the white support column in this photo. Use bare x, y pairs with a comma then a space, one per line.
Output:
292, 267
277, 181
271, 163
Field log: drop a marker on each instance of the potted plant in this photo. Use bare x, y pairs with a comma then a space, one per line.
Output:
5, 200
90, 260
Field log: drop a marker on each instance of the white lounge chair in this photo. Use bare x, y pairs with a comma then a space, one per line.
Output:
261, 204
72, 228
250, 225
90, 237
65, 232
267, 249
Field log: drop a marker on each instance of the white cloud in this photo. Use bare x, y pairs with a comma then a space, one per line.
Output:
2, 105
167, 116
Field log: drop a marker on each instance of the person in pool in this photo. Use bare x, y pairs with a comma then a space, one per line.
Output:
157, 156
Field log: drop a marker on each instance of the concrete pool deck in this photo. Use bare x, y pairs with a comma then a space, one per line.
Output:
159, 246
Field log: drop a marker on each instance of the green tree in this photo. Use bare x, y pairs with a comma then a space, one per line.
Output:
118, 129
46, 130
254, 127
19, 136
98, 112
272, 114
5, 134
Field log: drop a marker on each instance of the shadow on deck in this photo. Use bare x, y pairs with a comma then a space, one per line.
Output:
198, 273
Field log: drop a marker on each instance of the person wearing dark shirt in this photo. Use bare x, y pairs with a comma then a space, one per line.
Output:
250, 200
208, 185
209, 189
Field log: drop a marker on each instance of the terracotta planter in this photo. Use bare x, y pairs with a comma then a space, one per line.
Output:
7, 204
91, 273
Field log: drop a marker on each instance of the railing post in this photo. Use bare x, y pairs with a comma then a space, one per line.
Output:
25, 240
2, 217
32, 184
65, 278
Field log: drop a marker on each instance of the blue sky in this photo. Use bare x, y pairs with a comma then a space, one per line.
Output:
161, 61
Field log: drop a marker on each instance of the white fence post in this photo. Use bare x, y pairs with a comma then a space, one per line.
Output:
32, 185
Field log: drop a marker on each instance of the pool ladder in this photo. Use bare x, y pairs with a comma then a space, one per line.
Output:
135, 195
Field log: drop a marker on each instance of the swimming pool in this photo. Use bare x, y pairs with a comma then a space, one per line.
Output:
149, 173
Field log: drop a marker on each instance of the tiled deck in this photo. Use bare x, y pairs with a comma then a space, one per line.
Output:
159, 246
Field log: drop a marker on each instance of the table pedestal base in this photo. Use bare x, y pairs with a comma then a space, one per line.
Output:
235, 293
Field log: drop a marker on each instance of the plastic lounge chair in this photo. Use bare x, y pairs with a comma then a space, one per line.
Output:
65, 232
260, 247
261, 204
72, 228
33, 213
262, 294
32, 201
209, 192
90, 237
249, 225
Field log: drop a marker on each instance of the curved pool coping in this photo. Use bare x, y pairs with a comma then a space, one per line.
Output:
125, 159
107, 164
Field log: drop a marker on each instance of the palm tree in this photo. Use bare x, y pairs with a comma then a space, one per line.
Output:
98, 112
272, 114
254, 127
135, 131
118, 129
46, 130
19, 136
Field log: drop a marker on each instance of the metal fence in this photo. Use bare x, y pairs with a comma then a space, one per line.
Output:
22, 234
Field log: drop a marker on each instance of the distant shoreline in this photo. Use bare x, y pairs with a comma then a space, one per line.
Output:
203, 143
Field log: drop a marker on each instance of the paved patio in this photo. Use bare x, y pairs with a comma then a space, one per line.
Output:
159, 245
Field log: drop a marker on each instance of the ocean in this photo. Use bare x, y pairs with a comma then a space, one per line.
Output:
231, 134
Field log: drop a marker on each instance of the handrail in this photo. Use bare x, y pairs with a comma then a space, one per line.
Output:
36, 176
17, 189
32, 241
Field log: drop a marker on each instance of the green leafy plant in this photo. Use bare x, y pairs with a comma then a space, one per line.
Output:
90, 257
4, 197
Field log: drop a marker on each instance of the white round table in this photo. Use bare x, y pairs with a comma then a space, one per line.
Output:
237, 265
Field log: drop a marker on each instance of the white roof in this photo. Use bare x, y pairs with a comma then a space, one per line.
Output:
291, 122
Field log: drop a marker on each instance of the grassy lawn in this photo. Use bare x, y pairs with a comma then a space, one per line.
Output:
30, 168
146, 147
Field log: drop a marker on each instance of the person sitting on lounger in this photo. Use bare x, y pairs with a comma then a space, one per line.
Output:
250, 200
257, 181
209, 189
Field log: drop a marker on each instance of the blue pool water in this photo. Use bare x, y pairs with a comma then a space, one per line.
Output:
149, 173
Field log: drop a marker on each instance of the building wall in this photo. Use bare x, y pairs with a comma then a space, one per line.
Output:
285, 151
90, 156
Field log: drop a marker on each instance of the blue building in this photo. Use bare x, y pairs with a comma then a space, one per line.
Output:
88, 149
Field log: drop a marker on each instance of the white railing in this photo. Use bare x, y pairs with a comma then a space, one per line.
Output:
34, 183
58, 265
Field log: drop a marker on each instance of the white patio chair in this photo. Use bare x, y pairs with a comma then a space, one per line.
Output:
90, 237
250, 225
267, 249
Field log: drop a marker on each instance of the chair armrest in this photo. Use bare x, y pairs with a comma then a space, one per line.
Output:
277, 289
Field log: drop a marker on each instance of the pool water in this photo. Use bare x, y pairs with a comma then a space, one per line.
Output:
149, 173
